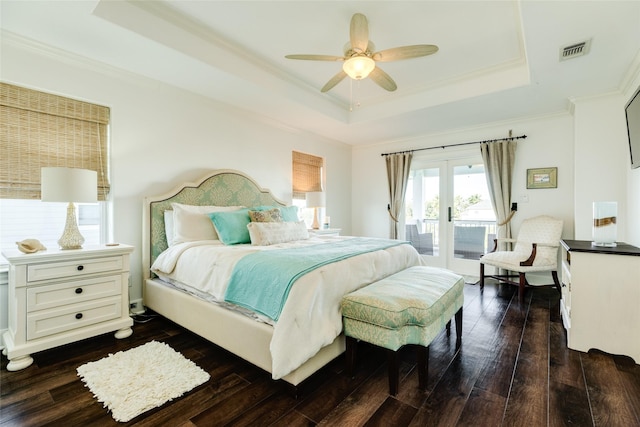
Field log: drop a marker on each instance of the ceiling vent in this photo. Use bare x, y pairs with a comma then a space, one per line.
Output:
574, 50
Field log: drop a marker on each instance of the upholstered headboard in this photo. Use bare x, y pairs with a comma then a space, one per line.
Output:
219, 188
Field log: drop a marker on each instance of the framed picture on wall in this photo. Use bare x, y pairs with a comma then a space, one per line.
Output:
542, 178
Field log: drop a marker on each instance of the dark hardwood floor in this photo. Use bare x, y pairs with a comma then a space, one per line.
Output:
513, 369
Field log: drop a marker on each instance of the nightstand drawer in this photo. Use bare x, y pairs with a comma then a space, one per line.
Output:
81, 267
50, 296
62, 319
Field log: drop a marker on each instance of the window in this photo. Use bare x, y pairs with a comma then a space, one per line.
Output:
307, 177
38, 129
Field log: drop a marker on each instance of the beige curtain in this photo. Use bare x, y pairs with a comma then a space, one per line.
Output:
398, 167
499, 158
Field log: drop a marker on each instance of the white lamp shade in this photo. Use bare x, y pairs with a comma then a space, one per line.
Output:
315, 199
69, 185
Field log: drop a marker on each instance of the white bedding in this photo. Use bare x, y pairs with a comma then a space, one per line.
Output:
311, 316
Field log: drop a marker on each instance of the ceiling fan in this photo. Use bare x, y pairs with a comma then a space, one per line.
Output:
360, 57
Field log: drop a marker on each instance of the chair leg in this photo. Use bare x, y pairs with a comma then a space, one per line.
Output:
423, 366
554, 274
392, 358
350, 353
481, 276
458, 328
521, 286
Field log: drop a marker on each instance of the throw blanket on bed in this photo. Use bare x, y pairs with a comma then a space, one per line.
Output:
261, 281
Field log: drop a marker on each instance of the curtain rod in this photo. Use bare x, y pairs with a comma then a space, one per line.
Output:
510, 138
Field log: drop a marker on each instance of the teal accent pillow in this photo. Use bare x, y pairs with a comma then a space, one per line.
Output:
289, 213
232, 226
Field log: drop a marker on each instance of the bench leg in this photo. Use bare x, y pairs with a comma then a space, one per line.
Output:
459, 328
394, 368
423, 366
350, 354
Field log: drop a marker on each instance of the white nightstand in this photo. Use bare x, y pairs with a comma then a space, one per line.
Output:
326, 232
61, 296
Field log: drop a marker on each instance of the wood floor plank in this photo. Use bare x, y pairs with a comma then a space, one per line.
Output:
391, 413
482, 407
359, 406
233, 406
630, 378
568, 398
528, 398
606, 391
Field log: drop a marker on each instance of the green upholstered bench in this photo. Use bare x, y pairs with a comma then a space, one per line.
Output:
410, 307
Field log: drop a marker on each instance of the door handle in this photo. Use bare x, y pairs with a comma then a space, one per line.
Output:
449, 213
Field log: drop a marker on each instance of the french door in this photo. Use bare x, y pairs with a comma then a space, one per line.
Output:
448, 215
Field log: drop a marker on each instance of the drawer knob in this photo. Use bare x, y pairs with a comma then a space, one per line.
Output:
80, 267
79, 316
78, 290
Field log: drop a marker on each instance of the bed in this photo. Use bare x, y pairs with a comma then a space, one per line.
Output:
291, 344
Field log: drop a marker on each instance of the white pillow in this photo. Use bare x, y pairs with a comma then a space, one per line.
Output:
168, 226
270, 233
191, 223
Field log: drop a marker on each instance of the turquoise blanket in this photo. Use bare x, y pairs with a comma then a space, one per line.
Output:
261, 281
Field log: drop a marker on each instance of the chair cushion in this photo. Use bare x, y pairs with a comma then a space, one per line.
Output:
511, 260
416, 296
543, 230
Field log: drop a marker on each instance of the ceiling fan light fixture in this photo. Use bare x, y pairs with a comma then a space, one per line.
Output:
358, 67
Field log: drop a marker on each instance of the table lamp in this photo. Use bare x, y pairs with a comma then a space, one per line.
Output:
70, 185
315, 200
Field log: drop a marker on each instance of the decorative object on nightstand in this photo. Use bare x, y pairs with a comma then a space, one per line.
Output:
315, 200
70, 185
604, 223
57, 297
29, 246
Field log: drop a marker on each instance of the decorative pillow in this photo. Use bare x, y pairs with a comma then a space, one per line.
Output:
289, 213
270, 233
191, 223
272, 215
232, 226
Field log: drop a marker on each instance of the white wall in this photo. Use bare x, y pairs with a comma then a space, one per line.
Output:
161, 136
602, 161
549, 143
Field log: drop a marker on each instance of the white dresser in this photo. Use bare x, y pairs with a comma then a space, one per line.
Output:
61, 296
601, 297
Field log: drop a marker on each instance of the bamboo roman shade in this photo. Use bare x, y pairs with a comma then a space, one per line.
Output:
307, 174
40, 129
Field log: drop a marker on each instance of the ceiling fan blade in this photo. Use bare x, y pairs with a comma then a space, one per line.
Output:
334, 81
404, 52
359, 33
383, 79
316, 57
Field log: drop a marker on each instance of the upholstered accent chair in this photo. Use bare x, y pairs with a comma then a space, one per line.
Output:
535, 249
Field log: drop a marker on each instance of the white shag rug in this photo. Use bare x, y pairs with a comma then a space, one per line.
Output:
131, 382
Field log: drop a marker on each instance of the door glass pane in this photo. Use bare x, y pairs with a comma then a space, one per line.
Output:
422, 203
473, 218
